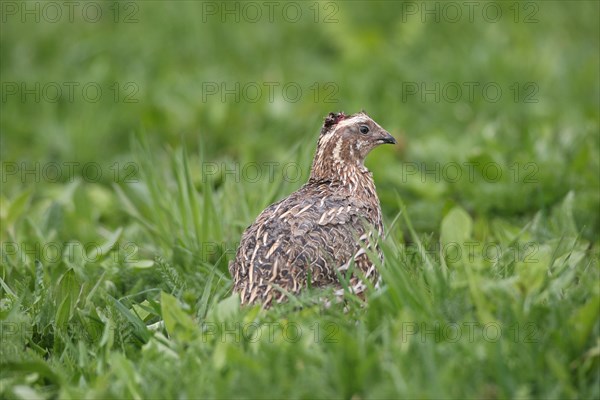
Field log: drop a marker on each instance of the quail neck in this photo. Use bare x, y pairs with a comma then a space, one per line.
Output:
343, 145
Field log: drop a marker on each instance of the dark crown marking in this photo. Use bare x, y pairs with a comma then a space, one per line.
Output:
332, 120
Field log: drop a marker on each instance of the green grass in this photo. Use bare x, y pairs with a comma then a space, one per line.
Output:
116, 286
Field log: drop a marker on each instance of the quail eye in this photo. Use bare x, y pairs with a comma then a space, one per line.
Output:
364, 129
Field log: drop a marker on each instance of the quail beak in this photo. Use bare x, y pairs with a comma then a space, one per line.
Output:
386, 138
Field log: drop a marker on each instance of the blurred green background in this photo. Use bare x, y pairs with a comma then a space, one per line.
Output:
180, 64
136, 127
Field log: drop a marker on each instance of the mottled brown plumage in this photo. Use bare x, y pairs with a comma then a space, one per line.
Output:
316, 232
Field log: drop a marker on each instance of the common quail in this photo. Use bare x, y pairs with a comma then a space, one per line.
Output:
316, 232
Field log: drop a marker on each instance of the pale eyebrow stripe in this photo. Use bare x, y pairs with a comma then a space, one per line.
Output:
353, 120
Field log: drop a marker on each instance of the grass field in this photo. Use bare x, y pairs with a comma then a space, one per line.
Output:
139, 139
